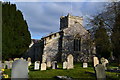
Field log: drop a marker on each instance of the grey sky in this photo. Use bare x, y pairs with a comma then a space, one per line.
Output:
43, 17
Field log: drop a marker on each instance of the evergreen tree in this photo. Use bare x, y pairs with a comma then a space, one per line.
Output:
15, 35
102, 41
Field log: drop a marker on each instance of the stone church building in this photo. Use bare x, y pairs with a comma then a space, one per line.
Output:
72, 38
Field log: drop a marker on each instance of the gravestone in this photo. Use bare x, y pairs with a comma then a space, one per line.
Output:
100, 72
3, 65
70, 62
65, 65
22, 58
19, 70
16, 59
104, 62
10, 64
85, 65
29, 61
54, 65
43, 66
95, 61
48, 63
6, 64
37, 65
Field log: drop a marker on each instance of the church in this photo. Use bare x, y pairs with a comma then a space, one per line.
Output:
72, 38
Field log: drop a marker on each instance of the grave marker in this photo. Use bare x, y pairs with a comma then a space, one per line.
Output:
43, 66
70, 62
37, 65
100, 72
65, 65
54, 65
19, 70
95, 61
85, 65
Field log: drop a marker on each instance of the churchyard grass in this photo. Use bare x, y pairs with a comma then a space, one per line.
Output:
77, 72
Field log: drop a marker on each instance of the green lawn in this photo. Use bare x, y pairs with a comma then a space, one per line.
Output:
77, 72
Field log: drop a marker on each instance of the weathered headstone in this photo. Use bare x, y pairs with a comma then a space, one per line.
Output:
19, 70
3, 65
65, 65
85, 65
22, 58
104, 62
100, 72
49, 64
95, 61
29, 61
6, 64
70, 62
54, 65
43, 66
16, 59
37, 65
10, 64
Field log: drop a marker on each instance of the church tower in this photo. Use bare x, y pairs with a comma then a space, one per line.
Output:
67, 21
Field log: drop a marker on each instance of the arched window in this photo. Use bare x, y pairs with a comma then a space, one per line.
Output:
77, 43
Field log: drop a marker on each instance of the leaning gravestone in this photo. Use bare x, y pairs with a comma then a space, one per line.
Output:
54, 65
19, 70
48, 63
85, 65
65, 65
37, 65
100, 72
95, 61
43, 66
70, 62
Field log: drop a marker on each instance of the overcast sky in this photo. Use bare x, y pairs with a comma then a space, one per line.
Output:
44, 17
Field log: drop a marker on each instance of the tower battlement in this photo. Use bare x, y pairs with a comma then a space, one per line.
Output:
69, 20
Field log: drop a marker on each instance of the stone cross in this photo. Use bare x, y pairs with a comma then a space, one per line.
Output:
70, 62
43, 66
54, 65
100, 72
85, 65
48, 63
37, 65
95, 61
65, 65
19, 70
